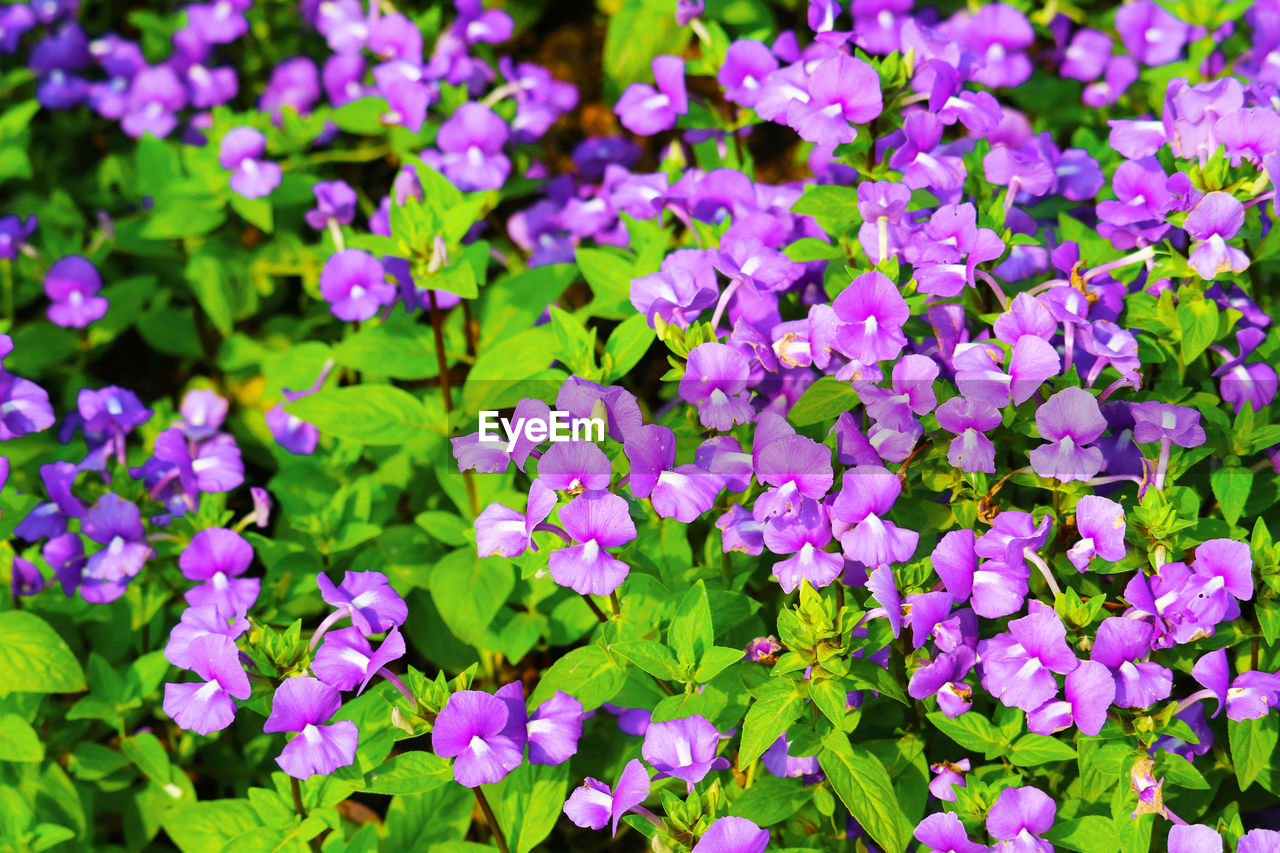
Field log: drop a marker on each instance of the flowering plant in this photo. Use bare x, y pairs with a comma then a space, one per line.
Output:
797, 427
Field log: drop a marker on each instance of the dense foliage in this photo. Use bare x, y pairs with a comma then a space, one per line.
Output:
705, 427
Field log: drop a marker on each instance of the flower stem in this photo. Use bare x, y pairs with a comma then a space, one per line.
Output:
328, 623
724, 302
595, 608
1162, 466
489, 818
1137, 257
295, 788
1045, 571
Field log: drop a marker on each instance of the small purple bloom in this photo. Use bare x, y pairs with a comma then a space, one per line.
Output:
367, 597
208, 707
475, 730
335, 202
645, 110
1101, 525
72, 285
593, 805
355, 285
554, 729
683, 749
1216, 219
303, 704
346, 660
471, 143
596, 520
715, 380
217, 557
733, 835
1018, 818
1070, 420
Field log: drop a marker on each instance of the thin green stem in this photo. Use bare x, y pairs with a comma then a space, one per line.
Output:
489, 818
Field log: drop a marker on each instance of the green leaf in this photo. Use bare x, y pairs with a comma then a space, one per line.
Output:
529, 803
654, 658
627, 344
972, 731
1253, 746
767, 718
825, 201
715, 661
370, 414
1089, 834
1198, 319
823, 402
207, 826
691, 633
771, 800
608, 273
863, 785
469, 591
1231, 486
1032, 750
255, 211
395, 351
363, 116
204, 274
409, 773
34, 659
831, 699
638, 31
588, 674
146, 751
18, 741
866, 675
813, 249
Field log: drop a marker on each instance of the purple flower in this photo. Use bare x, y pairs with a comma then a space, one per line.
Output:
484, 734
867, 493
335, 202
947, 776
294, 83
117, 524
715, 380
1151, 35
795, 467
27, 579
1101, 525
1018, 667
1119, 644
355, 285
303, 704
554, 729
683, 286
918, 159
1018, 818
508, 533
1216, 219
945, 833
970, 450
155, 94
239, 152
1086, 57
681, 492
1090, 690
208, 707
15, 230
203, 412
471, 143
872, 312
292, 432
218, 557
746, 64
367, 597
803, 536
593, 805
733, 835
596, 520
645, 110
346, 660
1069, 420
1194, 838
24, 407
1259, 841
72, 285
843, 91
683, 749
574, 467
778, 761
220, 22
194, 623
979, 375
65, 554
